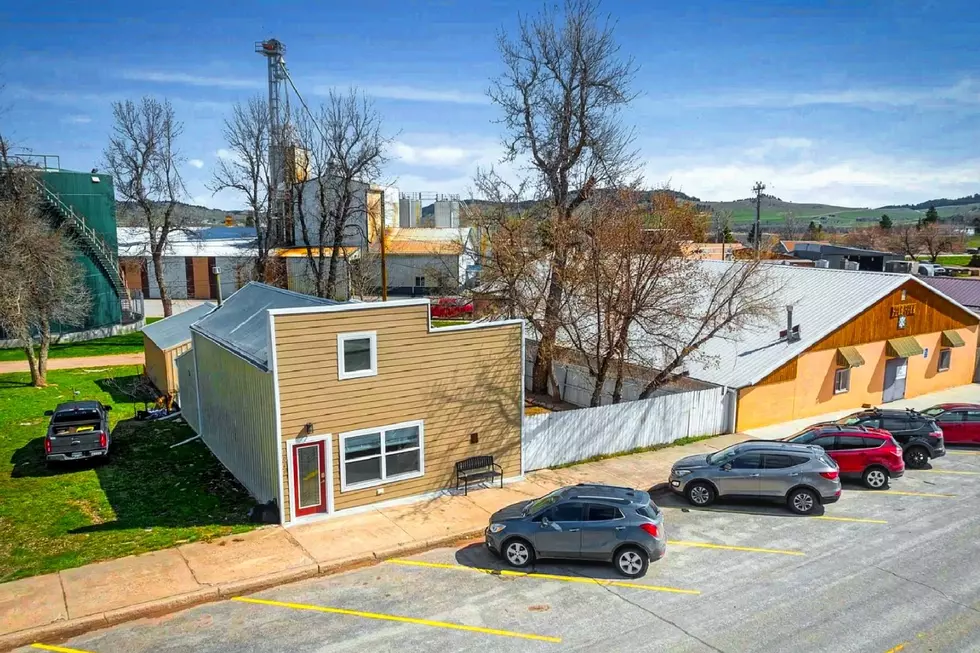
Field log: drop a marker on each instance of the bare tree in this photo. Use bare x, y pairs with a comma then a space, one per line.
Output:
41, 282
346, 151
936, 238
563, 87
143, 158
905, 239
868, 238
247, 172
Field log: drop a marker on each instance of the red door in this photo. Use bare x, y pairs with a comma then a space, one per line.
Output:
971, 427
953, 426
309, 478
850, 453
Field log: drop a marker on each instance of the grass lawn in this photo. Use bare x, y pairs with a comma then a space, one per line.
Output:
147, 497
127, 343
950, 259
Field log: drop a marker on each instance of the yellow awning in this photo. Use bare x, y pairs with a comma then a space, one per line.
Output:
952, 339
849, 357
906, 347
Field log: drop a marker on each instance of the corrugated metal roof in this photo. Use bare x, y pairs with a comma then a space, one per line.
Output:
190, 242
176, 329
966, 291
241, 322
421, 241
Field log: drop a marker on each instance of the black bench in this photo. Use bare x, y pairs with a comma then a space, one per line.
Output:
477, 468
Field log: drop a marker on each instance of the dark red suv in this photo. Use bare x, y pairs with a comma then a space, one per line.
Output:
871, 455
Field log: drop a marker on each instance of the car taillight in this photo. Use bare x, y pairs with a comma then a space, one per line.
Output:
831, 476
651, 529
47, 445
102, 440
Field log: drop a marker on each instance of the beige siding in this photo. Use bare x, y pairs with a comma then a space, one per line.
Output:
156, 364
237, 417
456, 382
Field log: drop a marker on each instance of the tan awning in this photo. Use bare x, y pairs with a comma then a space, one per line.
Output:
906, 347
849, 357
952, 339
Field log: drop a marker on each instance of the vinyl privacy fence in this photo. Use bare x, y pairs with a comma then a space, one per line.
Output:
568, 436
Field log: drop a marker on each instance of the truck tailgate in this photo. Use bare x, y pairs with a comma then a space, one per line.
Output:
81, 436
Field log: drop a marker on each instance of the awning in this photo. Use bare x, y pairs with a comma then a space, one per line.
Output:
906, 347
952, 339
849, 357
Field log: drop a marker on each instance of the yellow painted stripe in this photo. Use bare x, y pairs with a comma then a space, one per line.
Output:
896, 649
725, 547
406, 620
523, 574
916, 494
57, 649
963, 453
945, 471
858, 520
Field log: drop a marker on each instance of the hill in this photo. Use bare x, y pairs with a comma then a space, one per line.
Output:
192, 215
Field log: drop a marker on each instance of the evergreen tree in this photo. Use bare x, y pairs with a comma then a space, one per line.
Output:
726, 235
814, 231
885, 222
932, 216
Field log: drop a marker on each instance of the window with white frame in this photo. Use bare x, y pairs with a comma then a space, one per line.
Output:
357, 355
383, 455
842, 380
945, 355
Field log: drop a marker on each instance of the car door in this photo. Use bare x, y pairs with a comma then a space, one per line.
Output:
778, 474
971, 427
559, 533
849, 452
954, 427
898, 427
829, 444
603, 529
741, 475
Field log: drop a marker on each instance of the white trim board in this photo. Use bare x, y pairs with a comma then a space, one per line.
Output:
372, 337
328, 462
274, 370
348, 306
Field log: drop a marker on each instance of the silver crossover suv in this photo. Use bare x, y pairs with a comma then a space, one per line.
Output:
802, 475
582, 522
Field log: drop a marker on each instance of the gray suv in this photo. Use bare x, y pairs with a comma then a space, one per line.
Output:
582, 522
802, 475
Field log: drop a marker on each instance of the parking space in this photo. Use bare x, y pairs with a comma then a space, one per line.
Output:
877, 570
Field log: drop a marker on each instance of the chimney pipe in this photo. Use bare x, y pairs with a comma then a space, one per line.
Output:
790, 336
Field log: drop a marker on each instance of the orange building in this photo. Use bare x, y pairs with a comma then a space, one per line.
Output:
855, 338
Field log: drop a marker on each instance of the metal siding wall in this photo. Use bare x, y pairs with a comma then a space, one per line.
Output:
174, 276
238, 417
569, 436
187, 397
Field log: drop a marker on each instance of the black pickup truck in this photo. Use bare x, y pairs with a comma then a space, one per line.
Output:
78, 430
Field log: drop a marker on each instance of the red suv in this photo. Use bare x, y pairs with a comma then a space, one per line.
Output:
960, 422
871, 455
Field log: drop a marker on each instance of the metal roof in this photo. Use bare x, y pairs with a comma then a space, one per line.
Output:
966, 291
176, 329
241, 323
191, 242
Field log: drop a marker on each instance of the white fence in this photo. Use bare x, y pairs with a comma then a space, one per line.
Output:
568, 436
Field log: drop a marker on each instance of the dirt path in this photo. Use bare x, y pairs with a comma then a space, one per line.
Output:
69, 363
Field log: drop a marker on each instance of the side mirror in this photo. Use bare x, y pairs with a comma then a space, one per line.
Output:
48, 413
727, 467
545, 522
107, 408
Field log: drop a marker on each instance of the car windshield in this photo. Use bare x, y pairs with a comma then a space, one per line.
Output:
850, 420
540, 504
723, 456
933, 412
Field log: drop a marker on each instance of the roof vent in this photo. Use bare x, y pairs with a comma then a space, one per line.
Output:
822, 263
792, 331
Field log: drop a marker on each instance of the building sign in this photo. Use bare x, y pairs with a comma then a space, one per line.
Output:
903, 310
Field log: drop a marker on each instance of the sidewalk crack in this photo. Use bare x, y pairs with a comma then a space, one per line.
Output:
929, 587
64, 596
189, 568
296, 543
398, 526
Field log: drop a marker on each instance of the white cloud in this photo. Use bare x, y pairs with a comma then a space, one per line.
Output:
77, 119
224, 154
440, 155
196, 163
412, 94
189, 79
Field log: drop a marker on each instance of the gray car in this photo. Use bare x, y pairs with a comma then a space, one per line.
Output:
802, 475
582, 522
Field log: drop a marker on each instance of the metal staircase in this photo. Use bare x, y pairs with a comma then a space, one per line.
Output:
90, 239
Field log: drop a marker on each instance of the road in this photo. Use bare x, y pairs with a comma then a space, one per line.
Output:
879, 571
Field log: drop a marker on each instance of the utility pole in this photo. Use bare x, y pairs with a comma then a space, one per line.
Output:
384, 266
757, 189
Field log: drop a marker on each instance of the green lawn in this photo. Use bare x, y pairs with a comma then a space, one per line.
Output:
127, 343
950, 259
147, 497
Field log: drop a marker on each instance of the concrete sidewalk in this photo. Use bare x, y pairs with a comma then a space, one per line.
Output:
74, 363
55, 606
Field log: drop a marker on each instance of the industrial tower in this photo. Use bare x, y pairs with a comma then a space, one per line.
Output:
273, 50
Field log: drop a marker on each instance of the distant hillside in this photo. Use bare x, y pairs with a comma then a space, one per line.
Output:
191, 215
942, 201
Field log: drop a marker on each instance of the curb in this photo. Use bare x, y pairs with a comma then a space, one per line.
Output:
62, 630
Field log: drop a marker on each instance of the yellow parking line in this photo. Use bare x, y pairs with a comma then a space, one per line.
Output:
858, 520
945, 471
963, 453
725, 547
916, 494
407, 620
896, 649
57, 649
524, 574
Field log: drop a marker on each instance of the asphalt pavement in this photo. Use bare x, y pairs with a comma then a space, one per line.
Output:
878, 571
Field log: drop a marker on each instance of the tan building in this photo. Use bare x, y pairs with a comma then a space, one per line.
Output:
164, 341
320, 406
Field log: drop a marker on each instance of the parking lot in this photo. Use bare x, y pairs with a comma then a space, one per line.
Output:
878, 571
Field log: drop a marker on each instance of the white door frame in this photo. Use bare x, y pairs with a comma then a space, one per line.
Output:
328, 458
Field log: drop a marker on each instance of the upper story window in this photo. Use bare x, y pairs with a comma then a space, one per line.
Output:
357, 355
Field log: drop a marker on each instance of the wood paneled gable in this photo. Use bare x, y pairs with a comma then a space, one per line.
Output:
785, 372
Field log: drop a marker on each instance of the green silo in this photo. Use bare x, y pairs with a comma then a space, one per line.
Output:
86, 201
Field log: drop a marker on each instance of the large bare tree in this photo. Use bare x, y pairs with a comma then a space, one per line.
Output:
346, 151
145, 162
41, 282
246, 171
561, 92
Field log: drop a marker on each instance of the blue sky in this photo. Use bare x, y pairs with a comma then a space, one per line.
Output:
853, 103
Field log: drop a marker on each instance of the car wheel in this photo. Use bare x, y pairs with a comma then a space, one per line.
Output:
519, 553
632, 561
875, 478
802, 501
916, 458
700, 494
